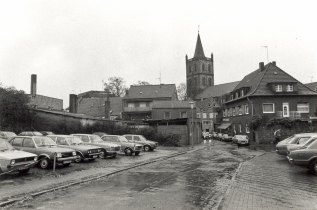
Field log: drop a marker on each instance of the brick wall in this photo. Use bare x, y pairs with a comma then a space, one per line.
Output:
176, 129
266, 135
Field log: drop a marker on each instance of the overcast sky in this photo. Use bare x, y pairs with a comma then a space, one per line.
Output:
73, 45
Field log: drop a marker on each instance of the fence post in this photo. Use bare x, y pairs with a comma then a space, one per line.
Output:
54, 162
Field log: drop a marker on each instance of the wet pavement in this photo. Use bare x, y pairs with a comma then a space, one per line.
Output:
195, 180
215, 175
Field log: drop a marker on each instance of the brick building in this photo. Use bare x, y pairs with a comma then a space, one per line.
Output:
268, 92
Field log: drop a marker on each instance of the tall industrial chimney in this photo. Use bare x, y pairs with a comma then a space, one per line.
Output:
33, 84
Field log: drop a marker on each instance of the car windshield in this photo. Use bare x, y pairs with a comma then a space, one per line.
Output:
44, 141
74, 140
4, 145
240, 137
96, 139
287, 139
123, 139
49, 133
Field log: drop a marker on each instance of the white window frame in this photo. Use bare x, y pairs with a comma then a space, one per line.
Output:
247, 129
211, 115
204, 115
242, 93
181, 114
246, 109
268, 111
224, 112
240, 128
169, 114
239, 110
198, 115
233, 111
278, 88
307, 106
289, 88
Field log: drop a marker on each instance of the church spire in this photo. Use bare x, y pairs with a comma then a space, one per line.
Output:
199, 51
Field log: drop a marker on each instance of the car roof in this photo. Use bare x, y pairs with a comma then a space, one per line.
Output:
59, 135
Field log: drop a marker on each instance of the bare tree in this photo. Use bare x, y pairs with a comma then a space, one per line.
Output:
116, 86
182, 91
143, 83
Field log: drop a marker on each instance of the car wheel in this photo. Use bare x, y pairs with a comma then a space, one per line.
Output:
147, 148
128, 152
313, 167
24, 171
79, 158
44, 163
137, 153
103, 154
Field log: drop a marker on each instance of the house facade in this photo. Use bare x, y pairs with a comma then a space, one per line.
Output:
268, 92
138, 102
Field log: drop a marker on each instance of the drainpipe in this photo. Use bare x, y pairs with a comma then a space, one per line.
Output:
251, 105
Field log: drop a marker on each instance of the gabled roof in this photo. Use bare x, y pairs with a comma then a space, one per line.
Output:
207, 104
199, 51
151, 91
312, 86
258, 81
171, 104
115, 105
217, 90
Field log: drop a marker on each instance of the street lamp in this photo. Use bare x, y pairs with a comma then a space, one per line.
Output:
192, 134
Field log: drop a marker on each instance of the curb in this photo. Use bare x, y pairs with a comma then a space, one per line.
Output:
10, 201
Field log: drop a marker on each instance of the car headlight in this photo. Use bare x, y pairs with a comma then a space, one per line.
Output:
59, 155
35, 158
74, 153
99, 150
89, 151
12, 162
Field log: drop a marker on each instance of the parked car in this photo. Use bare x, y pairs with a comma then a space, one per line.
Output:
306, 157
226, 137
148, 145
83, 151
99, 133
6, 134
12, 160
300, 145
128, 148
219, 136
45, 148
241, 140
281, 147
45, 133
30, 133
109, 149
214, 135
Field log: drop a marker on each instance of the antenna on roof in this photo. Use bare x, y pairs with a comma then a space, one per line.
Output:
198, 28
267, 52
160, 77
311, 78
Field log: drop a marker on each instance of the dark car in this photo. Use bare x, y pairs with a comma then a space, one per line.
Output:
147, 144
83, 151
12, 160
109, 150
6, 134
30, 133
45, 148
128, 148
306, 156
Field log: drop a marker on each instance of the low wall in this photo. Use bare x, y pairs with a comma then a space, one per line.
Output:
175, 129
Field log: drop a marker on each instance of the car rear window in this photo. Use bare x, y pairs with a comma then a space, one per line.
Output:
17, 142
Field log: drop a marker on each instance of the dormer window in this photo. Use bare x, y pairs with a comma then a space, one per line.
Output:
237, 95
289, 88
278, 88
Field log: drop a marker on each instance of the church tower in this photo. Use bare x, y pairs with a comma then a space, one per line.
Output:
199, 71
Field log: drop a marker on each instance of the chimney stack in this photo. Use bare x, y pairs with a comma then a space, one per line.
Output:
261, 66
274, 63
33, 84
72, 103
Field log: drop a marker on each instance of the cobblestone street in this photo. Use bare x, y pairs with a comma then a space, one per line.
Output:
269, 181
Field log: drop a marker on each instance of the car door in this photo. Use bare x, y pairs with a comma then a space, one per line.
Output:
28, 145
